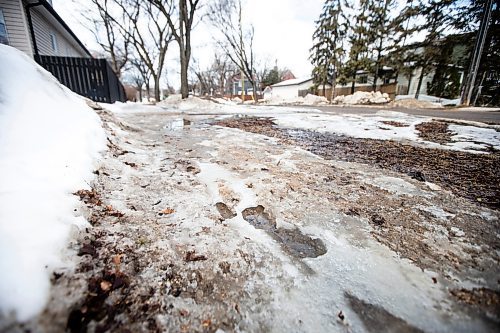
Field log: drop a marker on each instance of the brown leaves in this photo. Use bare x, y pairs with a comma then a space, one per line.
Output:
89, 197
117, 259
434, 131
167, 211
110, 211
394, 123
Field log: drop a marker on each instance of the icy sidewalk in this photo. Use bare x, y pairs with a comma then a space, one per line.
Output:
184, 264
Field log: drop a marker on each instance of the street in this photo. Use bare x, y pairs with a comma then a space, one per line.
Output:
469, 114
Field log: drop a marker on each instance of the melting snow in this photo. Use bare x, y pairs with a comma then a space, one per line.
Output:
49, 141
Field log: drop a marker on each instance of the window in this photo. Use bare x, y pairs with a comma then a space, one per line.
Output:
53, 41
4, 38
363, 78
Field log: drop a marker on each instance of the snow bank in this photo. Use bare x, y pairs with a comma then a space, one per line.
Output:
424, 101
131, 107
414, 103
363, 97
49, 140
190, 103
310, 99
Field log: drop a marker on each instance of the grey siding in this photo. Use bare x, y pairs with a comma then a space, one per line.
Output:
17, 28
43, 29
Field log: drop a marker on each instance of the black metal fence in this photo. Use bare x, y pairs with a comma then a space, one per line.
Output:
92, 78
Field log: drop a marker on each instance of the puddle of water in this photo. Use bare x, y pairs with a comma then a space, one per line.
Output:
377, 319
177, 124
293, 240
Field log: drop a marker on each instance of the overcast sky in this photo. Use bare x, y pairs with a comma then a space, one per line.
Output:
283, 30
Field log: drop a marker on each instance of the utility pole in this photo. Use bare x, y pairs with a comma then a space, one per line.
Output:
476, 56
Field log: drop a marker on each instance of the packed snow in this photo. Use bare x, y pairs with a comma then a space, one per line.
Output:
310, 99
363, 97
49, 143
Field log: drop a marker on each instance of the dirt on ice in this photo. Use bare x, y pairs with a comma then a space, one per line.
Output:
201, 223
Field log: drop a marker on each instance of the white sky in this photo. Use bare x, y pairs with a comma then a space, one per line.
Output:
283, 32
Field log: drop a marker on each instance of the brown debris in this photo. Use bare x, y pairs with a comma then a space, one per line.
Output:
192, 256
485, 298
394, 123
225, 212
434, 131
468, 175
89, 197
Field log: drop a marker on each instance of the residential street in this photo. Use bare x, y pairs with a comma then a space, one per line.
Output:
472, 114
199, 227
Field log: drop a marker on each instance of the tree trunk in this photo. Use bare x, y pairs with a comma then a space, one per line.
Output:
421, 78
409, 83
334, 83
353, 86
184, 75
157, 87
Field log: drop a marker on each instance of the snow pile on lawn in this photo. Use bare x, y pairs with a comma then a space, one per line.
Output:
310, 99
432, 99
424, 101
49, 141
131, 107
412, 103
363, 97
190, 103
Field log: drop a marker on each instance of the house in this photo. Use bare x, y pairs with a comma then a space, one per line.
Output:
35, 28
290, 89
236, 86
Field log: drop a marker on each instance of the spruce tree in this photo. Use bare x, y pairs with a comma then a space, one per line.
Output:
328, 52
438, 15
381, 34
359, 39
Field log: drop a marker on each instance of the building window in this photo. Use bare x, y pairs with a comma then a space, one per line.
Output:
4, 38
363, 78
53, 41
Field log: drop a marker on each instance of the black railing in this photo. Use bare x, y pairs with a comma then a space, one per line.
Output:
92, 78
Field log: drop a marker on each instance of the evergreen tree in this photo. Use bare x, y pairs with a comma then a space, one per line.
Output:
438, 15
381, 34
359, 39
328, 52
402, 57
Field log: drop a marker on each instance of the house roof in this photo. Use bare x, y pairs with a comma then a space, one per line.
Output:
49, 12
291, 82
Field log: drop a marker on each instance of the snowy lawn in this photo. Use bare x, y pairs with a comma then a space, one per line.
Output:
49, 143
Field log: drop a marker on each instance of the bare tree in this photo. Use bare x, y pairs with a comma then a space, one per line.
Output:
141, 76
107, 34
148, 32
237, 40
184, 12
223, 68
